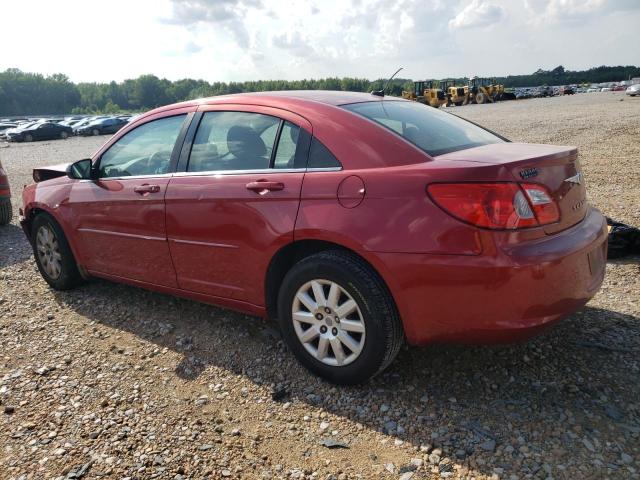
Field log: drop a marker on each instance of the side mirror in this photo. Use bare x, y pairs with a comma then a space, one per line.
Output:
80, 170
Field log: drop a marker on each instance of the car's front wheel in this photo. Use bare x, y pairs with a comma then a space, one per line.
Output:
95, 132
338, 317
28, 137
53, 255
64, 135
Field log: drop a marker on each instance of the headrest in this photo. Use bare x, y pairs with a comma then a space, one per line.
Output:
245, 142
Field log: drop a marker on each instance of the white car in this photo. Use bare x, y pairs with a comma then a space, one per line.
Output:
606, 89
633, 90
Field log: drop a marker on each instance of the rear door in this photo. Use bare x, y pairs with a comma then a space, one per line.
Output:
234, 204
120, 217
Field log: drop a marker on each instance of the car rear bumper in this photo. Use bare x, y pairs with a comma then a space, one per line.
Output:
501, 297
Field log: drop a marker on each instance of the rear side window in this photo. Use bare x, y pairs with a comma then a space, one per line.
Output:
321, 157
430, 129
286, 152
233, 141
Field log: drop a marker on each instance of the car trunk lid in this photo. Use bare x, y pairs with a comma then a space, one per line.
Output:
555, 167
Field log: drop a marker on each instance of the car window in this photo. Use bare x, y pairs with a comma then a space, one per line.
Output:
233, 141
321, 157
286, 150
428, 128
145, 150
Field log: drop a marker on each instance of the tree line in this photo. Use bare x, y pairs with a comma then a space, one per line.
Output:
23, 93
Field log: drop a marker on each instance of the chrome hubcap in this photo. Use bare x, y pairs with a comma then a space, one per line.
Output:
328, 322
49, 252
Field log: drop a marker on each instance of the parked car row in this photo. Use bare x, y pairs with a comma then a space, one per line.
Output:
29, 130
551, 91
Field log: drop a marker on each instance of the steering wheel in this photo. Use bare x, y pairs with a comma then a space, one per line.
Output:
160, 161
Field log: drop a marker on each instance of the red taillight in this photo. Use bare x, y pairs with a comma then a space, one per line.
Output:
495, 205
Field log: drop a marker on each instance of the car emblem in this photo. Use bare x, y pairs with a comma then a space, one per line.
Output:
577, 179
528, 173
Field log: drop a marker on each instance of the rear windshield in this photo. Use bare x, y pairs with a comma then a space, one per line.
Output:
428, 128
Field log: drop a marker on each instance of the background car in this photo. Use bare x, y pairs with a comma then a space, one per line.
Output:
633, 90
102, 126
6, 212
39, 131
358, 221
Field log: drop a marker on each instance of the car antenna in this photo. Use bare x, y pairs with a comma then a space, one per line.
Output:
380, 93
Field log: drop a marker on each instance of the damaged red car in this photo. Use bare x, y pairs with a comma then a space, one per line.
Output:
358, 221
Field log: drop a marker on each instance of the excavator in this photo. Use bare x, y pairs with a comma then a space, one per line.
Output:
427, 92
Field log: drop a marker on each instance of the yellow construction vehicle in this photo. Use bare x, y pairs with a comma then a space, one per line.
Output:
484, 90
427, 92
456, 95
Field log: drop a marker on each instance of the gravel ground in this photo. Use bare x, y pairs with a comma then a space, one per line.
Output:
110, 381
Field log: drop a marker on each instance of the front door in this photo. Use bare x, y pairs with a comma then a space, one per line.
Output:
237, 201
120, 217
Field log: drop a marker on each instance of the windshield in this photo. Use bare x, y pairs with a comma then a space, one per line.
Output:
428, 128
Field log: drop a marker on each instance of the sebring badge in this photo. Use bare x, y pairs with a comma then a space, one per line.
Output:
577, 179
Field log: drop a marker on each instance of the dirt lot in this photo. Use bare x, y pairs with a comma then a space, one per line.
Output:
110, 381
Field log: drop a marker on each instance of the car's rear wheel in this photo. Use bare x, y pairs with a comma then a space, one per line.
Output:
53, 255
95, 132
338, 317
64, 135
28, 138
6, 212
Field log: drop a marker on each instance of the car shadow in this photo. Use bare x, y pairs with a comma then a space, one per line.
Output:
564, 391
13, 246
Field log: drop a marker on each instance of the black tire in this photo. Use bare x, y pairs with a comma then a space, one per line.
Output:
69, 276
6, 212
64, 135
384, 334
95, 132
28, 137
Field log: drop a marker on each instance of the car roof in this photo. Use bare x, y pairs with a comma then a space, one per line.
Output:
278, 98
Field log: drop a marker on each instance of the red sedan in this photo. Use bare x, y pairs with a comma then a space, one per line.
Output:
358, 221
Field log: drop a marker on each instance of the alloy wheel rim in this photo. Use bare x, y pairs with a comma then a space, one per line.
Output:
49, 252
328, 322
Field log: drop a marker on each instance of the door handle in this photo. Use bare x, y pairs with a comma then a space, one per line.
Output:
146, 188
263, 186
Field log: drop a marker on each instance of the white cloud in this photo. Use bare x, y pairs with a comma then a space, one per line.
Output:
571, 11
227, 14
478, 13
235, 40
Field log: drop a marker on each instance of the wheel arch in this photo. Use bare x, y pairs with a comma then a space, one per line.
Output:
30, 213
289, 254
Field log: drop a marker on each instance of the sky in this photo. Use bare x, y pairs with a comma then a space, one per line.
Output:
238, 40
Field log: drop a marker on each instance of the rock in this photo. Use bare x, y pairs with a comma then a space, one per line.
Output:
488, 445
9, 409
406, 476
626, 458
587, 443
279, 394
332, 443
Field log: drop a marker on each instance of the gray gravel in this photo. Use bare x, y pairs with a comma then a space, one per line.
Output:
110, 381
